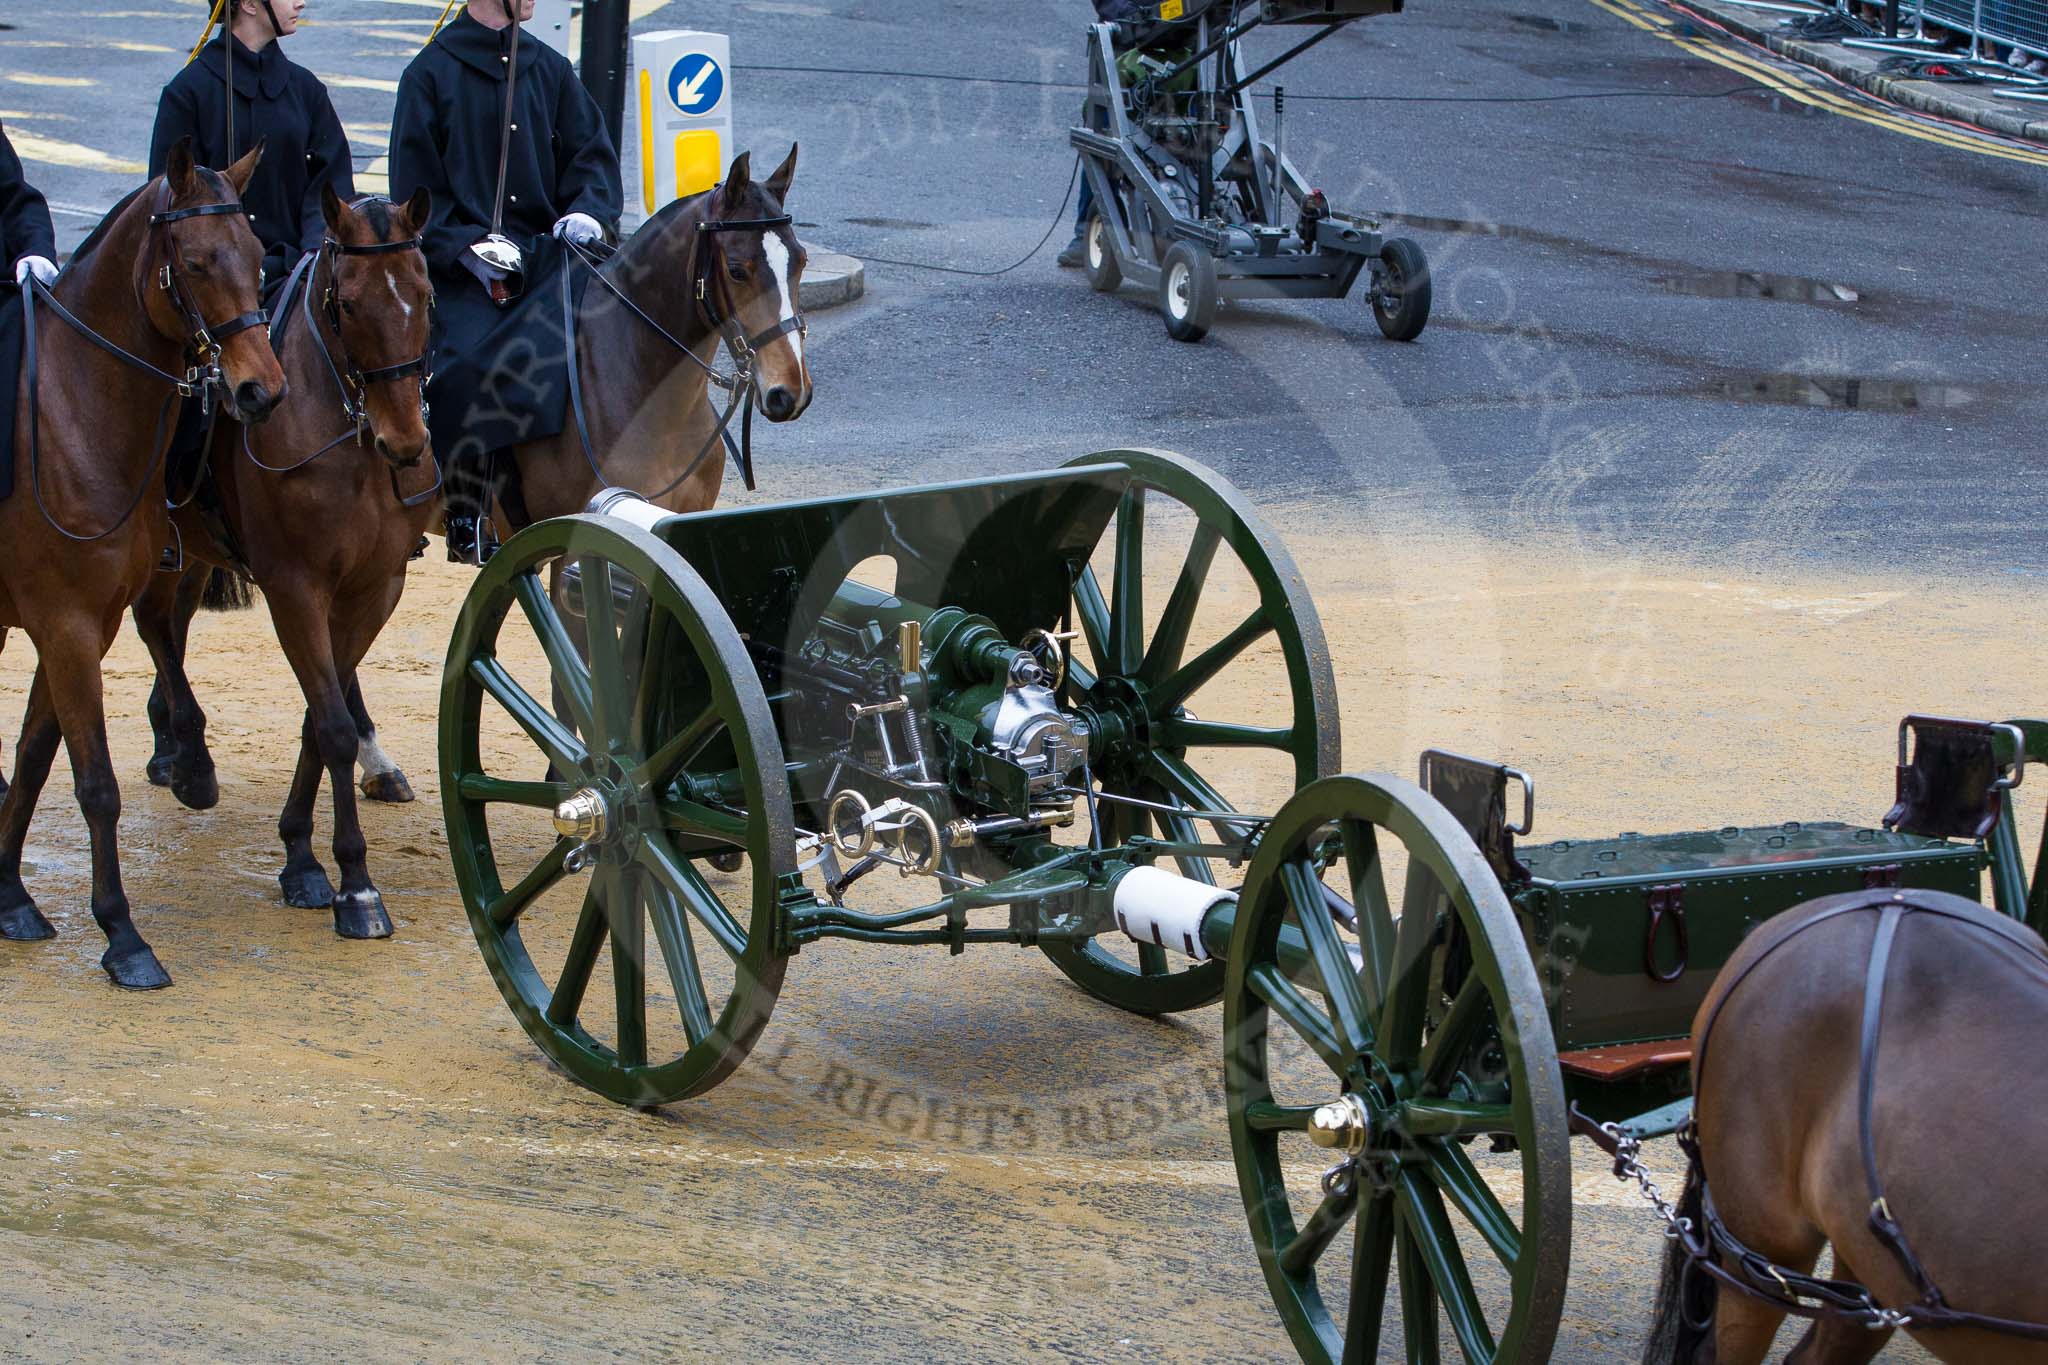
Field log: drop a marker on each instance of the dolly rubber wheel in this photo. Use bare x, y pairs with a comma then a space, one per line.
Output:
668, 761
1233, 583
1105, 274
1187, 291
1397, 1071
1401, 290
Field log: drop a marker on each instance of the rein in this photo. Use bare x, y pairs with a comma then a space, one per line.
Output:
744, 349
200, 380
353, 382
1757, 1276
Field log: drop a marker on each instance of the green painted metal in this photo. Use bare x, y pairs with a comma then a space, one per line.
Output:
1391, 1030
1587, 910
1147, 678
667, 688
2010, 886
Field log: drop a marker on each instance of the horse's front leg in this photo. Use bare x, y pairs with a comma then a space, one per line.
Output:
163, 618
383, 780
20, 920
73, 669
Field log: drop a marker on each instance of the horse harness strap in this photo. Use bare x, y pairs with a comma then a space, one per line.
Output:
1756, 1275
205, 340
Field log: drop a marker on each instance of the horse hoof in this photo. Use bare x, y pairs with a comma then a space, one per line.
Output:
360, 914
306, 888
159, 771
136, 970
25, 924
389, 788
196, 791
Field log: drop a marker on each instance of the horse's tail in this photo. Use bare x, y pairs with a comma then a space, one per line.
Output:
227, 590
1684, 1316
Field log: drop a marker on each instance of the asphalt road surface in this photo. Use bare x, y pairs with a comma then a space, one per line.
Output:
1754, 359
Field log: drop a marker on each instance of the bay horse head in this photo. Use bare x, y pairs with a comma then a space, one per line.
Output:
202, 281
749, 268
379, 303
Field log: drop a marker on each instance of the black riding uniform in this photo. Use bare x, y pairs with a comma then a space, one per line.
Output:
25, 230
283, 105
500, 372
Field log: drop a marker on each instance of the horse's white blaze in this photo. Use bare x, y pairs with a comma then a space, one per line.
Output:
778, 265
371, 758
403, 306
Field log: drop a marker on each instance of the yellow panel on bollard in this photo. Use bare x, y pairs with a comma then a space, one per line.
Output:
685, 113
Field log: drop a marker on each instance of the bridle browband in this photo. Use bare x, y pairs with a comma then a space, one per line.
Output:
350, 380
720, 315
202, 378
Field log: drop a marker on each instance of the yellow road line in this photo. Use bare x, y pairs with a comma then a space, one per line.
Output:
52, 152
360, 83
69, 82
1783, 83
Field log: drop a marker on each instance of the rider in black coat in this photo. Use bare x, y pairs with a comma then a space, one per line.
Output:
277, 102
500, 376
27, 244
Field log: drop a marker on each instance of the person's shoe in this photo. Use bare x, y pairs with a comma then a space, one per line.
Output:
1075, 255
470, 541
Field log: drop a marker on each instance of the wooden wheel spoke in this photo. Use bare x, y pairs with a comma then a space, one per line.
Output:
1268, 1117
1371, 1259
1091, 610
635, 621
1468, 1192
571, 675
1418, 1297
691, 817
1152, 960
679, 952
567, 1001
1454, 1036
1455, 1118
1170, 641
549, 870
562, 748
629, 967
1174, 690
1375, 914
1308, 1022
608, 697
1299, 1256
1184, 830
493, 791
695, 895
675, 754
1180, 781
1399, 1036
1436, 1247
1185, 732
1127, 587
1333, 960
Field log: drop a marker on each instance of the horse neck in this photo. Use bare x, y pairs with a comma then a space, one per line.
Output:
308, 416
641, 269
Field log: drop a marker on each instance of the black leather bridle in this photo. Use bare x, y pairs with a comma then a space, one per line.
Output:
717, 303
202, 378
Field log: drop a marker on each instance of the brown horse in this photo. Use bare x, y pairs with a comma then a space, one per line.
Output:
171, 280
323, 522
1957, 1098
649, 413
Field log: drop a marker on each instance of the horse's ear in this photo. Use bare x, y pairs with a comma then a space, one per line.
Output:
417, 211
178, 168
740, 176
244, 170
778, 183
332, 209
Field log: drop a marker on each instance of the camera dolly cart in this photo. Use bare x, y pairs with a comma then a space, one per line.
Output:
1194, 201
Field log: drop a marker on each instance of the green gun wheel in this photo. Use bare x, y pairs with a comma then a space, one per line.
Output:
1231, 572
670, 737
1377, 1072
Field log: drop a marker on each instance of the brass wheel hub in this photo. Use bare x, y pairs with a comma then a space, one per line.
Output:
585, 817
1344, 1125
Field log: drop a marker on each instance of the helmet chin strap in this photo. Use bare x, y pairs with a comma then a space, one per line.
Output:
270, 13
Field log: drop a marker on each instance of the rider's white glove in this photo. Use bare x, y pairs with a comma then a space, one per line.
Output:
42, 267
579, 229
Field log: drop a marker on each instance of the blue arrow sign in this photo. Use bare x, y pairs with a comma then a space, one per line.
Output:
696, 83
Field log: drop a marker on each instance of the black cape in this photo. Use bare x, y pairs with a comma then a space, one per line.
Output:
25, 230
499, 373
305, 148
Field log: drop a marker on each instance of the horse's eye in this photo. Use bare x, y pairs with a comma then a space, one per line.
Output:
194, 266
737, 273
348, 307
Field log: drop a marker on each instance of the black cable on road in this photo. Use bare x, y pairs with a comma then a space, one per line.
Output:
1058, 217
